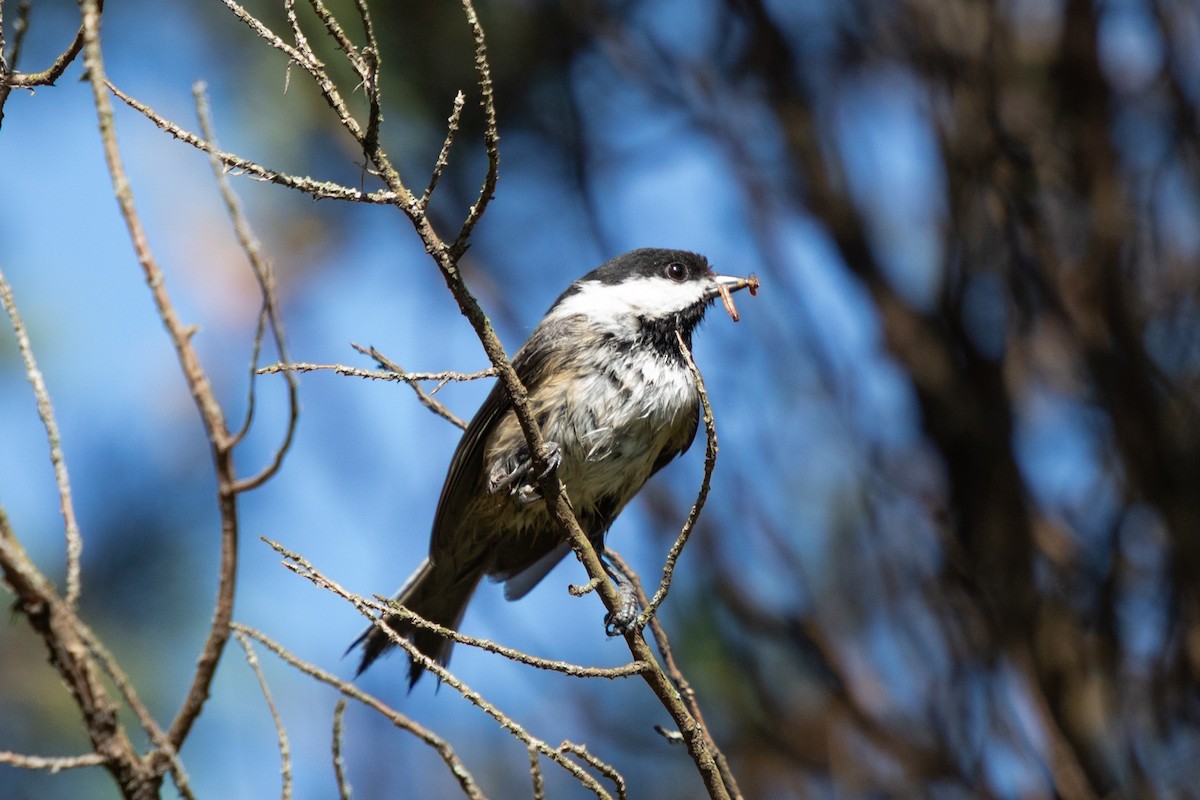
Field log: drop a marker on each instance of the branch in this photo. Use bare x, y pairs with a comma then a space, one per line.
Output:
268, 314
339, 766
378, 375
52, 764
301, 566
56, 623
710, 461
457, 768
197, 381
491, 135
426, 398
320, 190
376, 609
605, 769
46, 413
676, 675
10, 79
285, 750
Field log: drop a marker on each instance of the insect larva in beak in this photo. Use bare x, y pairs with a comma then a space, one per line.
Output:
727, 299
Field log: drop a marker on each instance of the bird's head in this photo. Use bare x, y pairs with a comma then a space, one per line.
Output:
649, 290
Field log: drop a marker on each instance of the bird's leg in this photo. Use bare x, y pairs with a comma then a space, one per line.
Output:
620, 620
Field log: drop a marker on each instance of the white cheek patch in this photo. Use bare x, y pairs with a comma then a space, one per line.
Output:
641, 297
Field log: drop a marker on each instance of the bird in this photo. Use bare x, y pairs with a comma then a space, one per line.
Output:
615, 400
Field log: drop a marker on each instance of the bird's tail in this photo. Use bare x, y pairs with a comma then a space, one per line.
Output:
434, 592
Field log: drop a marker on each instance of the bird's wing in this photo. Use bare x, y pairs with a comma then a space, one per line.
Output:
464, 479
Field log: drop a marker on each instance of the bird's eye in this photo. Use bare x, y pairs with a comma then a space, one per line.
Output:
676, 271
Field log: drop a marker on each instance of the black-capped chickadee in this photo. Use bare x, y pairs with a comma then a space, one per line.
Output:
615, 401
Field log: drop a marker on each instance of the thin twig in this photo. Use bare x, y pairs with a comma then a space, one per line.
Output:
320, 190
339, 765
535, 771
604, 768
491, 134
57, 625
682, 685
48, 76
206, 402
425, 398
443, 159
710, 461
285, 750
376, 608
372, 68
379, 375
269, 315
457, 768
150, 725
46, 413
301, 566
51, 764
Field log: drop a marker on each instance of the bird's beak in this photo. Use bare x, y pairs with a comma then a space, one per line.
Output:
726, 285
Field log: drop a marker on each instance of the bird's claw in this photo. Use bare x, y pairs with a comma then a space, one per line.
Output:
620, 620
553, 459
515, 481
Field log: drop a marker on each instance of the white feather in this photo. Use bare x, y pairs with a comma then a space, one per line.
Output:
625, 301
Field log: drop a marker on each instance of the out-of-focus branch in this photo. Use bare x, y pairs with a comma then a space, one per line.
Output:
456, 767
339, 764
285, 749
201, 390
46, 413
269, 316
51, 764
55, 622
11, 79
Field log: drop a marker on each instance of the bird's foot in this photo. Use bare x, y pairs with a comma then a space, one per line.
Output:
517, 480
621, 619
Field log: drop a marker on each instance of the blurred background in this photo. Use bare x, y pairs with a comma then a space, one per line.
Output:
952, 548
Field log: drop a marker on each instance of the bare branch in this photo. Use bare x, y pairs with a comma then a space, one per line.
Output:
676, 675
426, 398
46, 414
206, 403
339, 766
491, 134
301, 566
51, 764
55, 622
379, 375
285, 750
110, 666
373, 609
535, 770
605, 769
269, 314
320, 190
457, 768
710, 461
443, 159
10, 79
